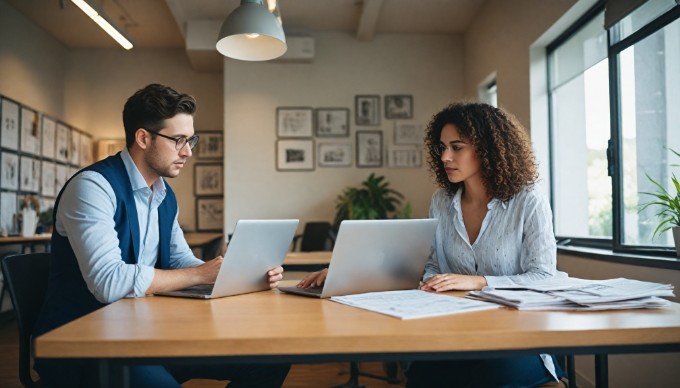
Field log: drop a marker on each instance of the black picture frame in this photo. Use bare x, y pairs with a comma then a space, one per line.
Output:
367, 110
369, 149
208, 179
210, 214
399, 106
210, 145
332, 122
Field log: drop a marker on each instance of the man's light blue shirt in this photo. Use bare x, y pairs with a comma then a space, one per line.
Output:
85, 215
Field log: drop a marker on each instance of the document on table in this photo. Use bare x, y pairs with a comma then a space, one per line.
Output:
412, 304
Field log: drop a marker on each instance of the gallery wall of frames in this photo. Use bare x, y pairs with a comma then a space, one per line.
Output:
308, 137
38, 154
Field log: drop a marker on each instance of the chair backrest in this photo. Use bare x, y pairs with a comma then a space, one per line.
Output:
316, 236
25, 276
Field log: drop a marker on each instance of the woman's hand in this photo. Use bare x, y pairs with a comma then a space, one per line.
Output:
274, 276
314, 279
452, 281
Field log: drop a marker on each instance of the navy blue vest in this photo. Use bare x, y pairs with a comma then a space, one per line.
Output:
67, 295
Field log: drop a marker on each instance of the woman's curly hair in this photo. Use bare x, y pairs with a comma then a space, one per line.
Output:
507, 162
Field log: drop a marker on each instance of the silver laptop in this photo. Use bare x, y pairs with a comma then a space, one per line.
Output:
255, 247
375, 255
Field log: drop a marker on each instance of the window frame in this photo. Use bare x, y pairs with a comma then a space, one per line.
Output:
614, 163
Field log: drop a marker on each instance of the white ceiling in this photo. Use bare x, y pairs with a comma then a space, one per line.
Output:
161, 23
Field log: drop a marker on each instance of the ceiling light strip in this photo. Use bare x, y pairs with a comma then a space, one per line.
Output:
99, 17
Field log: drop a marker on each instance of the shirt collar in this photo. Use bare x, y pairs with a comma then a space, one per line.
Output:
455, 202
136, 179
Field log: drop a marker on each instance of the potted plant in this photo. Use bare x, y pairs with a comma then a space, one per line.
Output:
373, 200
46, 220
668, 206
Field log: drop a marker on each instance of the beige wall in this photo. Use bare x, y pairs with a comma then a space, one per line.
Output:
87, 88
498, 41
428, 67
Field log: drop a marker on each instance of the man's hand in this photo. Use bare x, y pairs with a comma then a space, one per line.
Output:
314, 279
452, 281
274, 276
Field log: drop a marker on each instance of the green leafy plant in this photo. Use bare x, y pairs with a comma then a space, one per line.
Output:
373, 200
668, 204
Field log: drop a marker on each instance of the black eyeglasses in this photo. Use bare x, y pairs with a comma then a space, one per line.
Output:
180, 142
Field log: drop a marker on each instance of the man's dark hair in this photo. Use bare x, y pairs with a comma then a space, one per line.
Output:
149, 108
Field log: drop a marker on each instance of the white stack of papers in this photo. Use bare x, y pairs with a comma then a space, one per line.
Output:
579, 294
411, 304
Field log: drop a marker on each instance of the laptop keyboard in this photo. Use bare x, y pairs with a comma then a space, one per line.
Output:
201, 289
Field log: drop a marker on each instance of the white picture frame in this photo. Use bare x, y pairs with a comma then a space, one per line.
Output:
334, 154
74, 147
29, 179
408, 133
49, 133
9, 124
48, 179
294, 122
295, 155
31, 132
61, 143
86, 150
8, 211
404, 156
9, 171
61, 176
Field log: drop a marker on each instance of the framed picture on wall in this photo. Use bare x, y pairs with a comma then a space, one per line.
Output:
369, 149
86, 150
9, 171
408, 133
208, 179
61, 143
210, 145
48, 178
367, 110
8, 211
404, 156
332, 122
295, 155
49, 133
293, 122
29, 180
210, 214
74, 148
334, 154
9, 124
398, 106
108, 147
30, 132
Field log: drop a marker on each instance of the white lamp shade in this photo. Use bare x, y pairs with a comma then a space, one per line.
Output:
251, 33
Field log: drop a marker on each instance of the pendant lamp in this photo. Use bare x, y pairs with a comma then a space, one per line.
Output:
251, 33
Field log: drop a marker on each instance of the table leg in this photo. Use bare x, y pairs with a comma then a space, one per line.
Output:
114, 375
601, 371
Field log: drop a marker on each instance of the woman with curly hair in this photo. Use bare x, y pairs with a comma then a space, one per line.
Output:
494, 230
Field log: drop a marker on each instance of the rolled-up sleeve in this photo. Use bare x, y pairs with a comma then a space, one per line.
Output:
85, 216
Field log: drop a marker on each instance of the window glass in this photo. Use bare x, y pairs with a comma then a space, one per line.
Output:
640, 17
579, 91
650, 126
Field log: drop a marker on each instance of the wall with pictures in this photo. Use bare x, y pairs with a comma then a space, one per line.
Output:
38, 154
263, 180
87, 88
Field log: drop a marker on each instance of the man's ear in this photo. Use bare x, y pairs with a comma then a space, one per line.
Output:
142, 138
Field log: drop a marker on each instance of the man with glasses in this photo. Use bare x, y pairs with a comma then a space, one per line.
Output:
116, 235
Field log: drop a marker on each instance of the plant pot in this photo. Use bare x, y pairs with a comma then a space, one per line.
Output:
676, 237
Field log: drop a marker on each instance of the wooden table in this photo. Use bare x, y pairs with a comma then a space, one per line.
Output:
307, 261
28, 242
210, 244
274, 327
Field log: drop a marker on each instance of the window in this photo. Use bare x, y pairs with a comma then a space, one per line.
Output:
487, 91
613, 121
